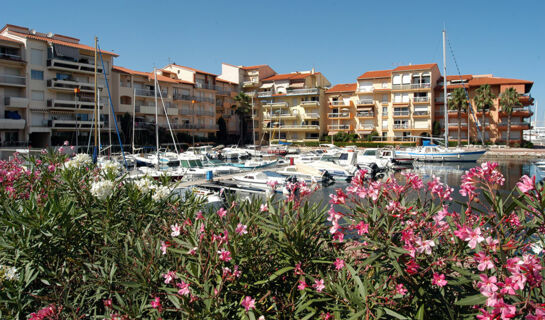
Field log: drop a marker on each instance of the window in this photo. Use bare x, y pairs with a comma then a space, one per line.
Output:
37, 95
36, 57
384, 111
406, 79
397, 98
36, 75
405, 97
397, 79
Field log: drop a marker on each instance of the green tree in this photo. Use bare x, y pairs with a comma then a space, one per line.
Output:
509, 99
484, 100
458, 102
243, 109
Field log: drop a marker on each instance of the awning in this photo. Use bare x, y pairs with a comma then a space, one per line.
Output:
297, 85
64, 51
267, 85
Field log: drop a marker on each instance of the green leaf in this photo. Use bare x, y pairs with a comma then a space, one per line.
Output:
471, 300
361, 288
394, 314
275, 275
420, 313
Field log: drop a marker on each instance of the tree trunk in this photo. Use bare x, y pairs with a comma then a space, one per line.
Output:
483, 128
459, 127
508, 129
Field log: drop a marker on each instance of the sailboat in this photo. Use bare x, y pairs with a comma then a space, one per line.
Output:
435, 153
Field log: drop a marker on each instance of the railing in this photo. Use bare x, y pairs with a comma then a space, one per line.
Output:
7, 56
339, 103
16, 102
411, 86
186, 112
264, 94
70, 104
338, 115
125, 84
402, 126
421, 99
204, 86
149, 93
12, 79
70, 84
72, 65
275, 104
309, 103
366, 89
249, 83
338, 127
518, 123
181, 97
312, 116
279, 115
292, 92
365, 127
12, 123
421, 113
75, 123
401, 113
365, 114
301, 126
365, 101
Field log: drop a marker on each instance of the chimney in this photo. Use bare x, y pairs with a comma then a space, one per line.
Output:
312, 71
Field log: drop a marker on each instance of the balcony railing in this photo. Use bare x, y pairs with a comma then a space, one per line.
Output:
75, 124
275, 104
365, 101
411, 86
12, 123
335, 115
366, 127
12, 79
402, 126
7, 56
206, 113
339, 103
71, 104
201, 85
338, 127
312, 115
309, 103
365, 114
150, 93
16, 102
294, 92
73, 66
70, 85
279, 115
366, 89
264, 94
300, 126
250, 83
186, 97
439, 99
421, 113
421, 99
401, 113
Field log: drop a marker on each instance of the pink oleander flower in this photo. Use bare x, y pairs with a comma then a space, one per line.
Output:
339, 264
319, 285
400, 289
264, 207
298, 271
508, 287
156, 303
169, 276
487, 286
339, 198
485, 315
199, 216
241, 229
505, 310
225, 255
538, 315
108, 303
484, 261
221, 212
175, 230
184, 288
425, 246
338, 236
192, 251
164, 247
526, 184
248, 303
272, 184
66, 143
439, 280
362, 228
474, 237
302, 285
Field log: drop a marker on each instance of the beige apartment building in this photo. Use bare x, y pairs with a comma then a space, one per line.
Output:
250, 80
39, 74
293, 106
397, 103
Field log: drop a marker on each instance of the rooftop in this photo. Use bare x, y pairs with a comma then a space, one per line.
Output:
290, 76
376, 74
343, 87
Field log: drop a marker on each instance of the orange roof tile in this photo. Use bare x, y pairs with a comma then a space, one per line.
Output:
416, 67
149, 75
376, 74
254, 67
289, 76
343, 87
64, 43
494, 80
9, 39
193, 69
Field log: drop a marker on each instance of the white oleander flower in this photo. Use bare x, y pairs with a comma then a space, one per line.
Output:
102, 189
10, 273
110, 166
160, 193
78, 161
144, 185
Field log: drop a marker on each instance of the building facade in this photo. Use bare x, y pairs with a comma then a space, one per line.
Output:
47, 88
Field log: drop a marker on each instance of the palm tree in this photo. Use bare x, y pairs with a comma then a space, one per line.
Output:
242, 110
484, 100
458, 102
509, 99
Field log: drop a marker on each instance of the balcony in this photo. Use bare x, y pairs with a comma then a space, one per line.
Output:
366, 89
186, 112
402, 126
412, 86
301, 127
298, 92
311, 116
421, 99
70, 85
340, 103
15, 102
213, 127
365, 114
207, 86
339, 127
421, 113
309, 103
279, 116
150, 93
73, 124
264, 94
70, 104
184, 97
518, 125
247, 84
11, 57
365, 127
341, 115
12, 80
518, 112
66, 65
280, 104
401, 113
365, 102
12, 124
440, 99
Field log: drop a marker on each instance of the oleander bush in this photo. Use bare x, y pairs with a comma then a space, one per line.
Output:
82, 242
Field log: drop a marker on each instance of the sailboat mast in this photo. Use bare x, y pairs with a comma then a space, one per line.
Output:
253, 123
96, 99
156, 116
133, 116
96, 128
445, 104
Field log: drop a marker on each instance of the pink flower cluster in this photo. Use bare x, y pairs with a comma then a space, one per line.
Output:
46, 313
486, 173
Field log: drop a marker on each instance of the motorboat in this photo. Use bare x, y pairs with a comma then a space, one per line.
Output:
434, 153
334, 169
260, 180
253, 164
276, 150
307, 173
210, 196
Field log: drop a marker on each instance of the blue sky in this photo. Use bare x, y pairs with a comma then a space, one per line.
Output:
342, 39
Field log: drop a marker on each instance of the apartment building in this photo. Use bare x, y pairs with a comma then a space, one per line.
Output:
342, 113
47, 87
293, 106
495, 125
250, 80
